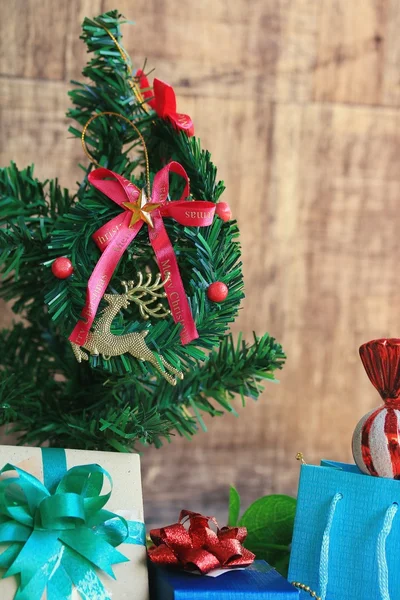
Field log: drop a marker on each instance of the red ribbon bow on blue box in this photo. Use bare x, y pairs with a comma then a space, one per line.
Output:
199, 547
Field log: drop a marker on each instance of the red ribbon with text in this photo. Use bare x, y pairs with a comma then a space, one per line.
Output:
199, 547
114, 237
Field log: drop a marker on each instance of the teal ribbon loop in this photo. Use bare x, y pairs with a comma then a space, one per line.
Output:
59, 539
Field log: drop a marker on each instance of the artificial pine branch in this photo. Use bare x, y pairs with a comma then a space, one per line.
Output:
111, 420
110, 90
186, 150
115, 404
28, 210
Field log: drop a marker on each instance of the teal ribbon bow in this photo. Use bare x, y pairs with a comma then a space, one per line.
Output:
58, 533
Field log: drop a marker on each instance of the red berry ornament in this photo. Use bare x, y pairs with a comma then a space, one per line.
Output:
62, 267
217, 291
223, 210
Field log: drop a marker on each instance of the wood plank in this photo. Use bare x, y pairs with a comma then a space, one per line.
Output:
351, 51
32, 44
35, 130
40, 38
258, 50
336, 261
391, 78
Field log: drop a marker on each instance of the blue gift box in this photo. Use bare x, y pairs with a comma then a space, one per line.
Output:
257, 582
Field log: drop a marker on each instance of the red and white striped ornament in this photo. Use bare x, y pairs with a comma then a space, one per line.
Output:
376, 439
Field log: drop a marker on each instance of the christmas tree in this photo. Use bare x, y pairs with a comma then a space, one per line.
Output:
153, 353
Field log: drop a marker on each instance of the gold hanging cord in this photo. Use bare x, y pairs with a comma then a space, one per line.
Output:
118, 116
133, 81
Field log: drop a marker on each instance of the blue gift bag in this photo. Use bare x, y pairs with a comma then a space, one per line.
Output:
346, 541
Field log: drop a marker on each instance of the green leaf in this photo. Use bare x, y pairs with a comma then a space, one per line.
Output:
234, 507
269, 522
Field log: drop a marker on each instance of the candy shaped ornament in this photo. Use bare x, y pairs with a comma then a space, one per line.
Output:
376, 439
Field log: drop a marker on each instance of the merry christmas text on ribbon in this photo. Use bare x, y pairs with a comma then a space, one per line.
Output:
116, 235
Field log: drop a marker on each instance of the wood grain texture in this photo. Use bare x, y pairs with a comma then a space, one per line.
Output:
351, 51
298, 101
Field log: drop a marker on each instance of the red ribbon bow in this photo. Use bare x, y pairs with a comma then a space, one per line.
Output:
116, 235
163, 101
200, 547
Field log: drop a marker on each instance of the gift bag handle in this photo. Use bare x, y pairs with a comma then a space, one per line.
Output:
383, 572
326, 541
323, 572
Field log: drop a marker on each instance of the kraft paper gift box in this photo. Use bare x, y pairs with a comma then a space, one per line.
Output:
59, 528
346, 541
259, 581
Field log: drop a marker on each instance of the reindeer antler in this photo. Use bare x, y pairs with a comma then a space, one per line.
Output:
136, 294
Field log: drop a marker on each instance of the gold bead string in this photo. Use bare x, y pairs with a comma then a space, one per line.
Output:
119, 116
133, 81
306, 588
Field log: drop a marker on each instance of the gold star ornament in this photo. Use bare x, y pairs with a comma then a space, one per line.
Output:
141, 210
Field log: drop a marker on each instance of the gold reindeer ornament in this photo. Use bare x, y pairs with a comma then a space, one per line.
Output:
101, 341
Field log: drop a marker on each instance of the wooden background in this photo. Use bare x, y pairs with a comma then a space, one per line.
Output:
299, 103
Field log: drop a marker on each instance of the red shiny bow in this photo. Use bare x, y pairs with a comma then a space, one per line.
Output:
199, 547
163, 100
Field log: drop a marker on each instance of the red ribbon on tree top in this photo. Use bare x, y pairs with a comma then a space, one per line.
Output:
199, 547
163, 100
114, 237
